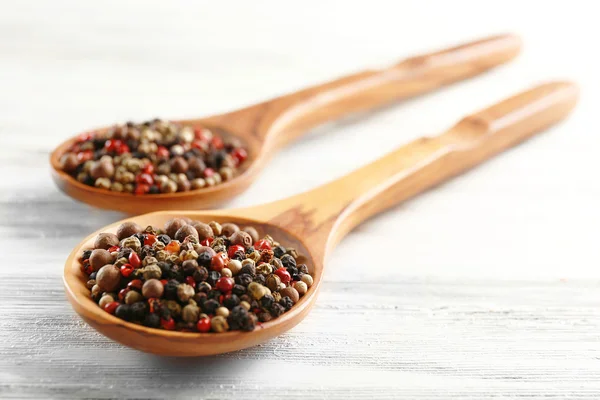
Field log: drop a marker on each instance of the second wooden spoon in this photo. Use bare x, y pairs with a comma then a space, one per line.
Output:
267, 126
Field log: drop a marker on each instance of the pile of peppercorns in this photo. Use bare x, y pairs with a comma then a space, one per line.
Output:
153, 157
193, 276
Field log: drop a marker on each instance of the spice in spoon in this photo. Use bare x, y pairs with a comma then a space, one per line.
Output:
153, 157
194, 277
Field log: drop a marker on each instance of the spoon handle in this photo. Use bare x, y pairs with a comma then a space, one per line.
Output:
280, 120
324, 215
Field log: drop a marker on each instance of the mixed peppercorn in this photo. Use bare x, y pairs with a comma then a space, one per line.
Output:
192, 276
153, 157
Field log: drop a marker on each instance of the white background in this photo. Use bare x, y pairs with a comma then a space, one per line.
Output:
487, 285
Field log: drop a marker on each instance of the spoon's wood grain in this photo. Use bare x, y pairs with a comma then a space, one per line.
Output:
315, 221
266, 126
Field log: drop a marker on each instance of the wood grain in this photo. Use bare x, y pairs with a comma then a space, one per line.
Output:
266, 126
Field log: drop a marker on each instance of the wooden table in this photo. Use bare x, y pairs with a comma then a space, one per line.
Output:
485, 287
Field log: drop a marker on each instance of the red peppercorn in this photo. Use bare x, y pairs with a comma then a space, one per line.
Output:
111, 307
200, 134
164, 281
84, 137
162, 152
126, 270
148, 169
234, 249
283, 275
141, 188
262, 245
122, 148
149, 240
87, 268
203, 325
112, 249
217, 263
225, 284
144, 179
208, 172
153, 303
134, 260
135, 284
190, 281
123, 292
85, 156
112, 145
168, 324
217, 142
200, 145
240, 155
206, 242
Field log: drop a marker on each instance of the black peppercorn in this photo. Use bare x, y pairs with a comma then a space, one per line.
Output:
267, 301
238, 290
243, 279
152, 321
147, 251
138, 311
260, 279
200, 298
249, 269
288, 261
139, 236
213, 277
204, 259
203, 287
303, 268
93, 275
249, 250
264, 317
287, 303
214, 294
86, 254
200, 274
164, 238
189, 267
123, 312
231, 300
276, 310
210, 306
170, 292
279, 251
176, 273
292, 271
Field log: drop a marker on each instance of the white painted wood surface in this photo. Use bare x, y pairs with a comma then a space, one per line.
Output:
488, 286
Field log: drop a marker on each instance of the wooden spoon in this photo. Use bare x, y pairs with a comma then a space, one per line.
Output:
267, 126
315, 221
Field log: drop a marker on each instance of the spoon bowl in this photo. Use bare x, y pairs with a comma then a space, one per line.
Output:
315, 221
267, 126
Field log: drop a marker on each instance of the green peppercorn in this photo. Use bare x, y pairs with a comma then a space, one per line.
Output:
102, 183
256, 290
273, 282
219, 324
276, 296
222, 311
191, 312
198, 183
264, 269
132, 243
185, 292
245, 304
133, 297
174, 308
151, 271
